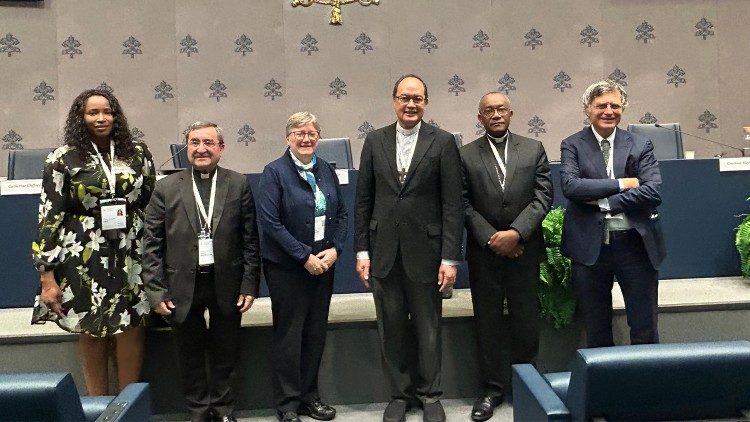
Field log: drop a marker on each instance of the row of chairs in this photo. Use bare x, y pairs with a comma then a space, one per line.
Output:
28, 163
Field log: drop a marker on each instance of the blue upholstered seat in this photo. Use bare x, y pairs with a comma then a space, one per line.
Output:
336, 151
27, 163
667, 139
179, 156
640, 382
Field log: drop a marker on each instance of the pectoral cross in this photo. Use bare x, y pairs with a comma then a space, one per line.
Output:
335, 6
402, 176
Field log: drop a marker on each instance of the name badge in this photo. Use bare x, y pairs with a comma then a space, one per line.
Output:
114, 213
205, 251
320, 227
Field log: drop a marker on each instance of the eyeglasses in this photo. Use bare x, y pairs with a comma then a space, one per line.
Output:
300, 135
613, 106
490, 111
416, 99
208, 143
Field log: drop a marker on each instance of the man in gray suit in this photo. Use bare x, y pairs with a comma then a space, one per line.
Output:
408, 243
507, 194
201, 253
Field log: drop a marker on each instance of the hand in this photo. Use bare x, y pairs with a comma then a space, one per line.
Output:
446, 277
630, 183
51, 294
503, 242
245, 302
315, 266
515, 253
164, 307
328, 256
363, 270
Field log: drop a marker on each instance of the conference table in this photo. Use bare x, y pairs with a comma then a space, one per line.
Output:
701, 207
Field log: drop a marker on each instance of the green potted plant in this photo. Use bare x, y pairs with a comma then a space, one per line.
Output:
554, 289
743, 244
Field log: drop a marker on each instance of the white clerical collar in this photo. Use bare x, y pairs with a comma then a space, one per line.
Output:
599, 138
408, 132
503, 138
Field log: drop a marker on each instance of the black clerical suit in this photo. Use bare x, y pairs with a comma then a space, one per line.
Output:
171, 271
521, 205
407, 228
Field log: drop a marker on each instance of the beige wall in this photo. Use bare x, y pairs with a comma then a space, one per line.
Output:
715, 68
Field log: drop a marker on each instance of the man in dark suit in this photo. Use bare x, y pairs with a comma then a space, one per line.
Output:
201, 253
507, 194
611, 227
408, 242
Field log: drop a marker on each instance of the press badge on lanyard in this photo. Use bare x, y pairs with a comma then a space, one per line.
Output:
320, 227
205, 243
113, 210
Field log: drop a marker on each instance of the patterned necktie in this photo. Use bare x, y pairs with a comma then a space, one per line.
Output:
605, 152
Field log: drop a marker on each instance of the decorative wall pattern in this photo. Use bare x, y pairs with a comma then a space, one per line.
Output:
249, 64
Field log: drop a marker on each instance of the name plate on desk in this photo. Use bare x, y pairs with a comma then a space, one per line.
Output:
21, 187
734, 164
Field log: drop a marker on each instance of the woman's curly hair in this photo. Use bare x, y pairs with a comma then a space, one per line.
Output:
77, 133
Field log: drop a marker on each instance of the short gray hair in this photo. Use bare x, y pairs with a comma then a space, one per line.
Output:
301, 118
599, 88
200, 124
507, 100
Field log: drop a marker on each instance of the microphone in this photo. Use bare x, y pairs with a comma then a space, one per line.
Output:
172, 156
742, 152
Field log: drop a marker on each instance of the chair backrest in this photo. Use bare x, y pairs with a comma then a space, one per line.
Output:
179, 156
458, 138
27, 163
336, 151
50, 396
667, 139
661, 381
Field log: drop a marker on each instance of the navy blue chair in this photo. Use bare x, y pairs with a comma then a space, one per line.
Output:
179, 156
640, 382
52, 396
27, 163
667, 139
337, 151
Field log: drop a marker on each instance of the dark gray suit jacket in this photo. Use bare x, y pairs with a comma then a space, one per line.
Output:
170, 242
423, 219
584, 179
522, 205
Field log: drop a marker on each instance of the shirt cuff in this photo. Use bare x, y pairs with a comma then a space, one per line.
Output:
604, 205
449, 262
363, 255
621, 183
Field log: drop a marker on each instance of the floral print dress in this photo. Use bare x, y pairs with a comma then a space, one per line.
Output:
96, 300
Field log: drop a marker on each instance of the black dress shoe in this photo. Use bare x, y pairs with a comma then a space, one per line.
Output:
396, 411
227, 418
484, 407
433, 412
288, 416
317, 410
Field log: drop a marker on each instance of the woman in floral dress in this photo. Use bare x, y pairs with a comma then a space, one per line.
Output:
89, 248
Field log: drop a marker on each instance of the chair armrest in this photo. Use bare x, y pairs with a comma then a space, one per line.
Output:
534, 399
133, 404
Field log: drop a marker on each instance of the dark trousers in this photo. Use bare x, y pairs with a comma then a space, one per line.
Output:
409, 315
491, 282
299, 303
625, 258
207, 353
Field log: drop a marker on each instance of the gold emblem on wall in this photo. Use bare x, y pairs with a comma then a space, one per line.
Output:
335, 6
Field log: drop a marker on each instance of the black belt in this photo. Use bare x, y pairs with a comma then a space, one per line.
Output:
205, 269
620, 234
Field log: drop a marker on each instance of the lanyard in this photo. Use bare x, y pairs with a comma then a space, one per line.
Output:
499, 161
111, 177
199, 203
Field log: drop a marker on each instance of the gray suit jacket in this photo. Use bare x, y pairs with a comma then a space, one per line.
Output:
522, 205
423, 218
170, 242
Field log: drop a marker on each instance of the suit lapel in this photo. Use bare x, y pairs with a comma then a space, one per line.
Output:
222, 188
490, 164
512, 160
593, 153
388, 143
188, 199
424, 139
623, 145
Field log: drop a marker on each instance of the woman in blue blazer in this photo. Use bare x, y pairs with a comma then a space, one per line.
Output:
303, 222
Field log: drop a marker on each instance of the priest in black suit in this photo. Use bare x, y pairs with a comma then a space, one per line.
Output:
507, 193
408, 241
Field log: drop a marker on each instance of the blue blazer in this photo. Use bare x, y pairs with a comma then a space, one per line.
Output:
584, 179
286, 212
